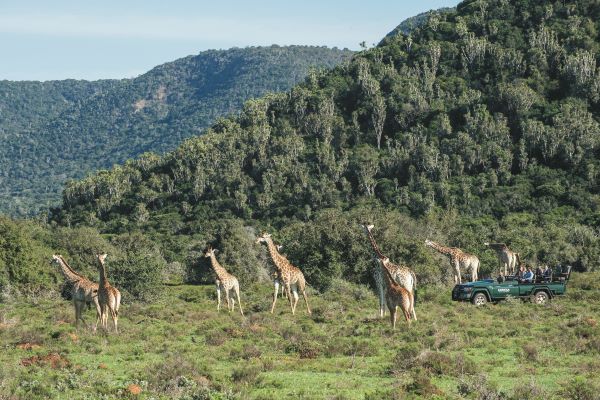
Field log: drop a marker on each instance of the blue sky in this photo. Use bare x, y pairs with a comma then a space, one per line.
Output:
59, 39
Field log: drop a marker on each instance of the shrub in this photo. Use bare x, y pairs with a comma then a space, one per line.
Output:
139, 266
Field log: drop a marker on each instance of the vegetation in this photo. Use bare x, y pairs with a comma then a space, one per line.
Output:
53, 131
181, 348
482, 125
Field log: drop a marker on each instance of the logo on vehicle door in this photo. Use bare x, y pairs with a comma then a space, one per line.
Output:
504, 290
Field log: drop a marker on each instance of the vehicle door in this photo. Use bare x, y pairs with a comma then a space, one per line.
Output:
505, 289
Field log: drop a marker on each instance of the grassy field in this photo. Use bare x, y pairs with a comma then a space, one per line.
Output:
181, 347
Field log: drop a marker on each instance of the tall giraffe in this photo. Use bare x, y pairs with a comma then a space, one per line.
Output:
458, 259
507, 257
108, 296
224, 281
395, 296
401, 274
83, 291
291, 277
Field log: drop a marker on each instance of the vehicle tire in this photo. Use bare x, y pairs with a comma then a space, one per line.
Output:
541, 297
479, 299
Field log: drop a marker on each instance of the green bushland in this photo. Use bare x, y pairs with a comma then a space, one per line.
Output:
58, 130
481, 125
179, 347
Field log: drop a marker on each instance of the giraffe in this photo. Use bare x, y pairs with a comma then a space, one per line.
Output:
507, 257
83, 291
225, 281
108, 296
291, 277
458, 259
401, 273
395, 296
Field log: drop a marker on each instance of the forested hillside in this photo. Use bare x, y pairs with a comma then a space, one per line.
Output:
482, 125
53, 131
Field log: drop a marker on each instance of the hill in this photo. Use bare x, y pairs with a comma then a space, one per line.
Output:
62, 130
483, 125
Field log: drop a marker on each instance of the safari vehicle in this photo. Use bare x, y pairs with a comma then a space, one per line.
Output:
490, 290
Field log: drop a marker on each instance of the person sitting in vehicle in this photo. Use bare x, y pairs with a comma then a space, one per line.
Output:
538, 273
528, 275
520, 273
547, 273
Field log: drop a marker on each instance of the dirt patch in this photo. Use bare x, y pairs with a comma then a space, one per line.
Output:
53, 360
134, 389
28, 346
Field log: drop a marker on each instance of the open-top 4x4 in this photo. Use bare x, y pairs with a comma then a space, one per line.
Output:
489, 290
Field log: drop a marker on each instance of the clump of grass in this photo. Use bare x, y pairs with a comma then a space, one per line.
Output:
528, 391
248, 375
434, 362
529, 352
177, 376
421, 385
580, 389
478, 387
247, 352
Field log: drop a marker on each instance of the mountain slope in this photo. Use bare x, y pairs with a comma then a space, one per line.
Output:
56, 136
484, 125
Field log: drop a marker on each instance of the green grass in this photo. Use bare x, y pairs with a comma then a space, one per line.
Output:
181, 347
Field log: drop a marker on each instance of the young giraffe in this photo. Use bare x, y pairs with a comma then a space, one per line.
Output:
395, 296
224, 281
83, 291
108, 296
401, 273
507, 257
458, 259
291, 277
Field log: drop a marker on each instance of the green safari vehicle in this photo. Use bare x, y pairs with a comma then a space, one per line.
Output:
489, 290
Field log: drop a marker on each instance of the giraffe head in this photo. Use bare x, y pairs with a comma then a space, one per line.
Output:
102, 257
367, 227
263, 238
55, 259
428, 242
279, 247
210, 252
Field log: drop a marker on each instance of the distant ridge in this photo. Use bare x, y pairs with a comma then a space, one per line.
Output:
58, 130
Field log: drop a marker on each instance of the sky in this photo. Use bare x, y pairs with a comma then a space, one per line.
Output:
61, 39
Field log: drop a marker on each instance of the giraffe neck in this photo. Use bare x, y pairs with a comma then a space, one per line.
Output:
103, 280
373, 243
389, 279
66, 270
274, 253
442, 249
219, 270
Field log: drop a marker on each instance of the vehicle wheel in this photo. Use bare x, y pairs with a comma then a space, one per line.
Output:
479, 299
541, 297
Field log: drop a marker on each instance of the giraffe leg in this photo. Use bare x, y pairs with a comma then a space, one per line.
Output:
306, 301
227, 298
113, 314
412, 306
381, 301
232, 299
98, 313
275, 295
295, 293
288, 291
76, 307
218, 297
393, 316
237, 292
457, 277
